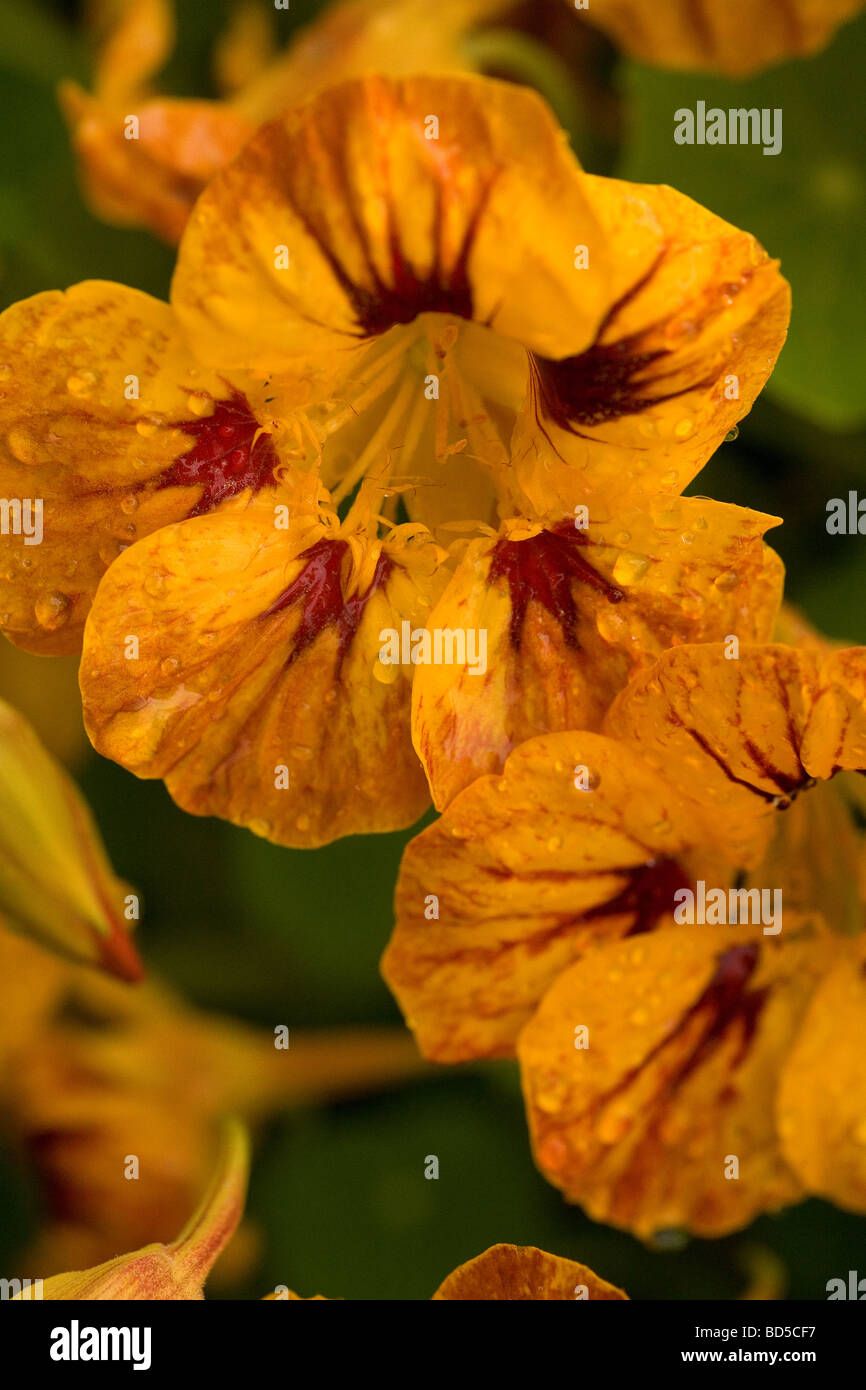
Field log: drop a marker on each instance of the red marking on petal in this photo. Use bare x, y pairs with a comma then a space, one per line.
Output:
649, 894
224, 459
319, 589
544, 568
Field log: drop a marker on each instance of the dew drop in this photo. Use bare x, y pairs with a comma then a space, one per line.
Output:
52, 610
629, 568
727, 581
129, 504
169, 666
683, 428
732, 435
23, 446
198, 403
303, 823
385, 674
262, 828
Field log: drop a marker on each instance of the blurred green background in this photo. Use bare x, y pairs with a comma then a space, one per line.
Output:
271, 934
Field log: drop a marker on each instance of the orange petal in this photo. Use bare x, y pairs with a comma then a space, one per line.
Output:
109, 427
688, 1030
731, 38
383, 223
568, 616
747, 734
822, 1095
257, 693
521, 875
522, 1272
154, 179
676, 362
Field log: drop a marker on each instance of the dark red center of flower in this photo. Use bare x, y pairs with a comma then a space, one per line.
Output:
403, 292
226, 457
318, 589
649, 895
544, 568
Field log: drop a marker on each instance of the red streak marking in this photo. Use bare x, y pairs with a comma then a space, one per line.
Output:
543, 568
318, 588
224, 460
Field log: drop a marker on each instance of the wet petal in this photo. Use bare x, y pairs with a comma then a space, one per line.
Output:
258, 694
522, 1272
521, 875
565, 617
687, 1032
822, 1095
730, 38
677, 360
748, 733
382, 223
108, 430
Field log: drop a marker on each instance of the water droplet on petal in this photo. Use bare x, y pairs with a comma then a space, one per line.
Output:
169, 666
629, 568
728, 580
303, 823
683, 428
52, 610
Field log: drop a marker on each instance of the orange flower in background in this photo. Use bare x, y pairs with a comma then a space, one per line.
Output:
518, 913
512, 1273
736, 37
114, 1073
151, 174
176, 1271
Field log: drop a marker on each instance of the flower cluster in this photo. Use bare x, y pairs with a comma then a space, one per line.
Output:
421, 374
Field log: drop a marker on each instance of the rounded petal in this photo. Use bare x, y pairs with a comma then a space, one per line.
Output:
256, 692
676, 362
385, 216
687, 1032
521, 875
749, 731
732, 37
822, 1096
512, 1273
99, 400
566, 617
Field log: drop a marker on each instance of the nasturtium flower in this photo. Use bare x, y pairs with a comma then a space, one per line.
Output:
428, 255
114, 1074
151, 174
734, 37
56, 883
422, 335
258, 602
539, 884
512, 1273
177, 1271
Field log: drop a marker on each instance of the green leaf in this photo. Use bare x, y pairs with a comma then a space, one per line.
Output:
806, 205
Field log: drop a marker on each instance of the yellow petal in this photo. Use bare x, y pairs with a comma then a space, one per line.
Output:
822, 1096
568, 616
382, 223
732, 37
257, 693
100, 401
677, 360
687, 1032
523, 1273
523, 874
